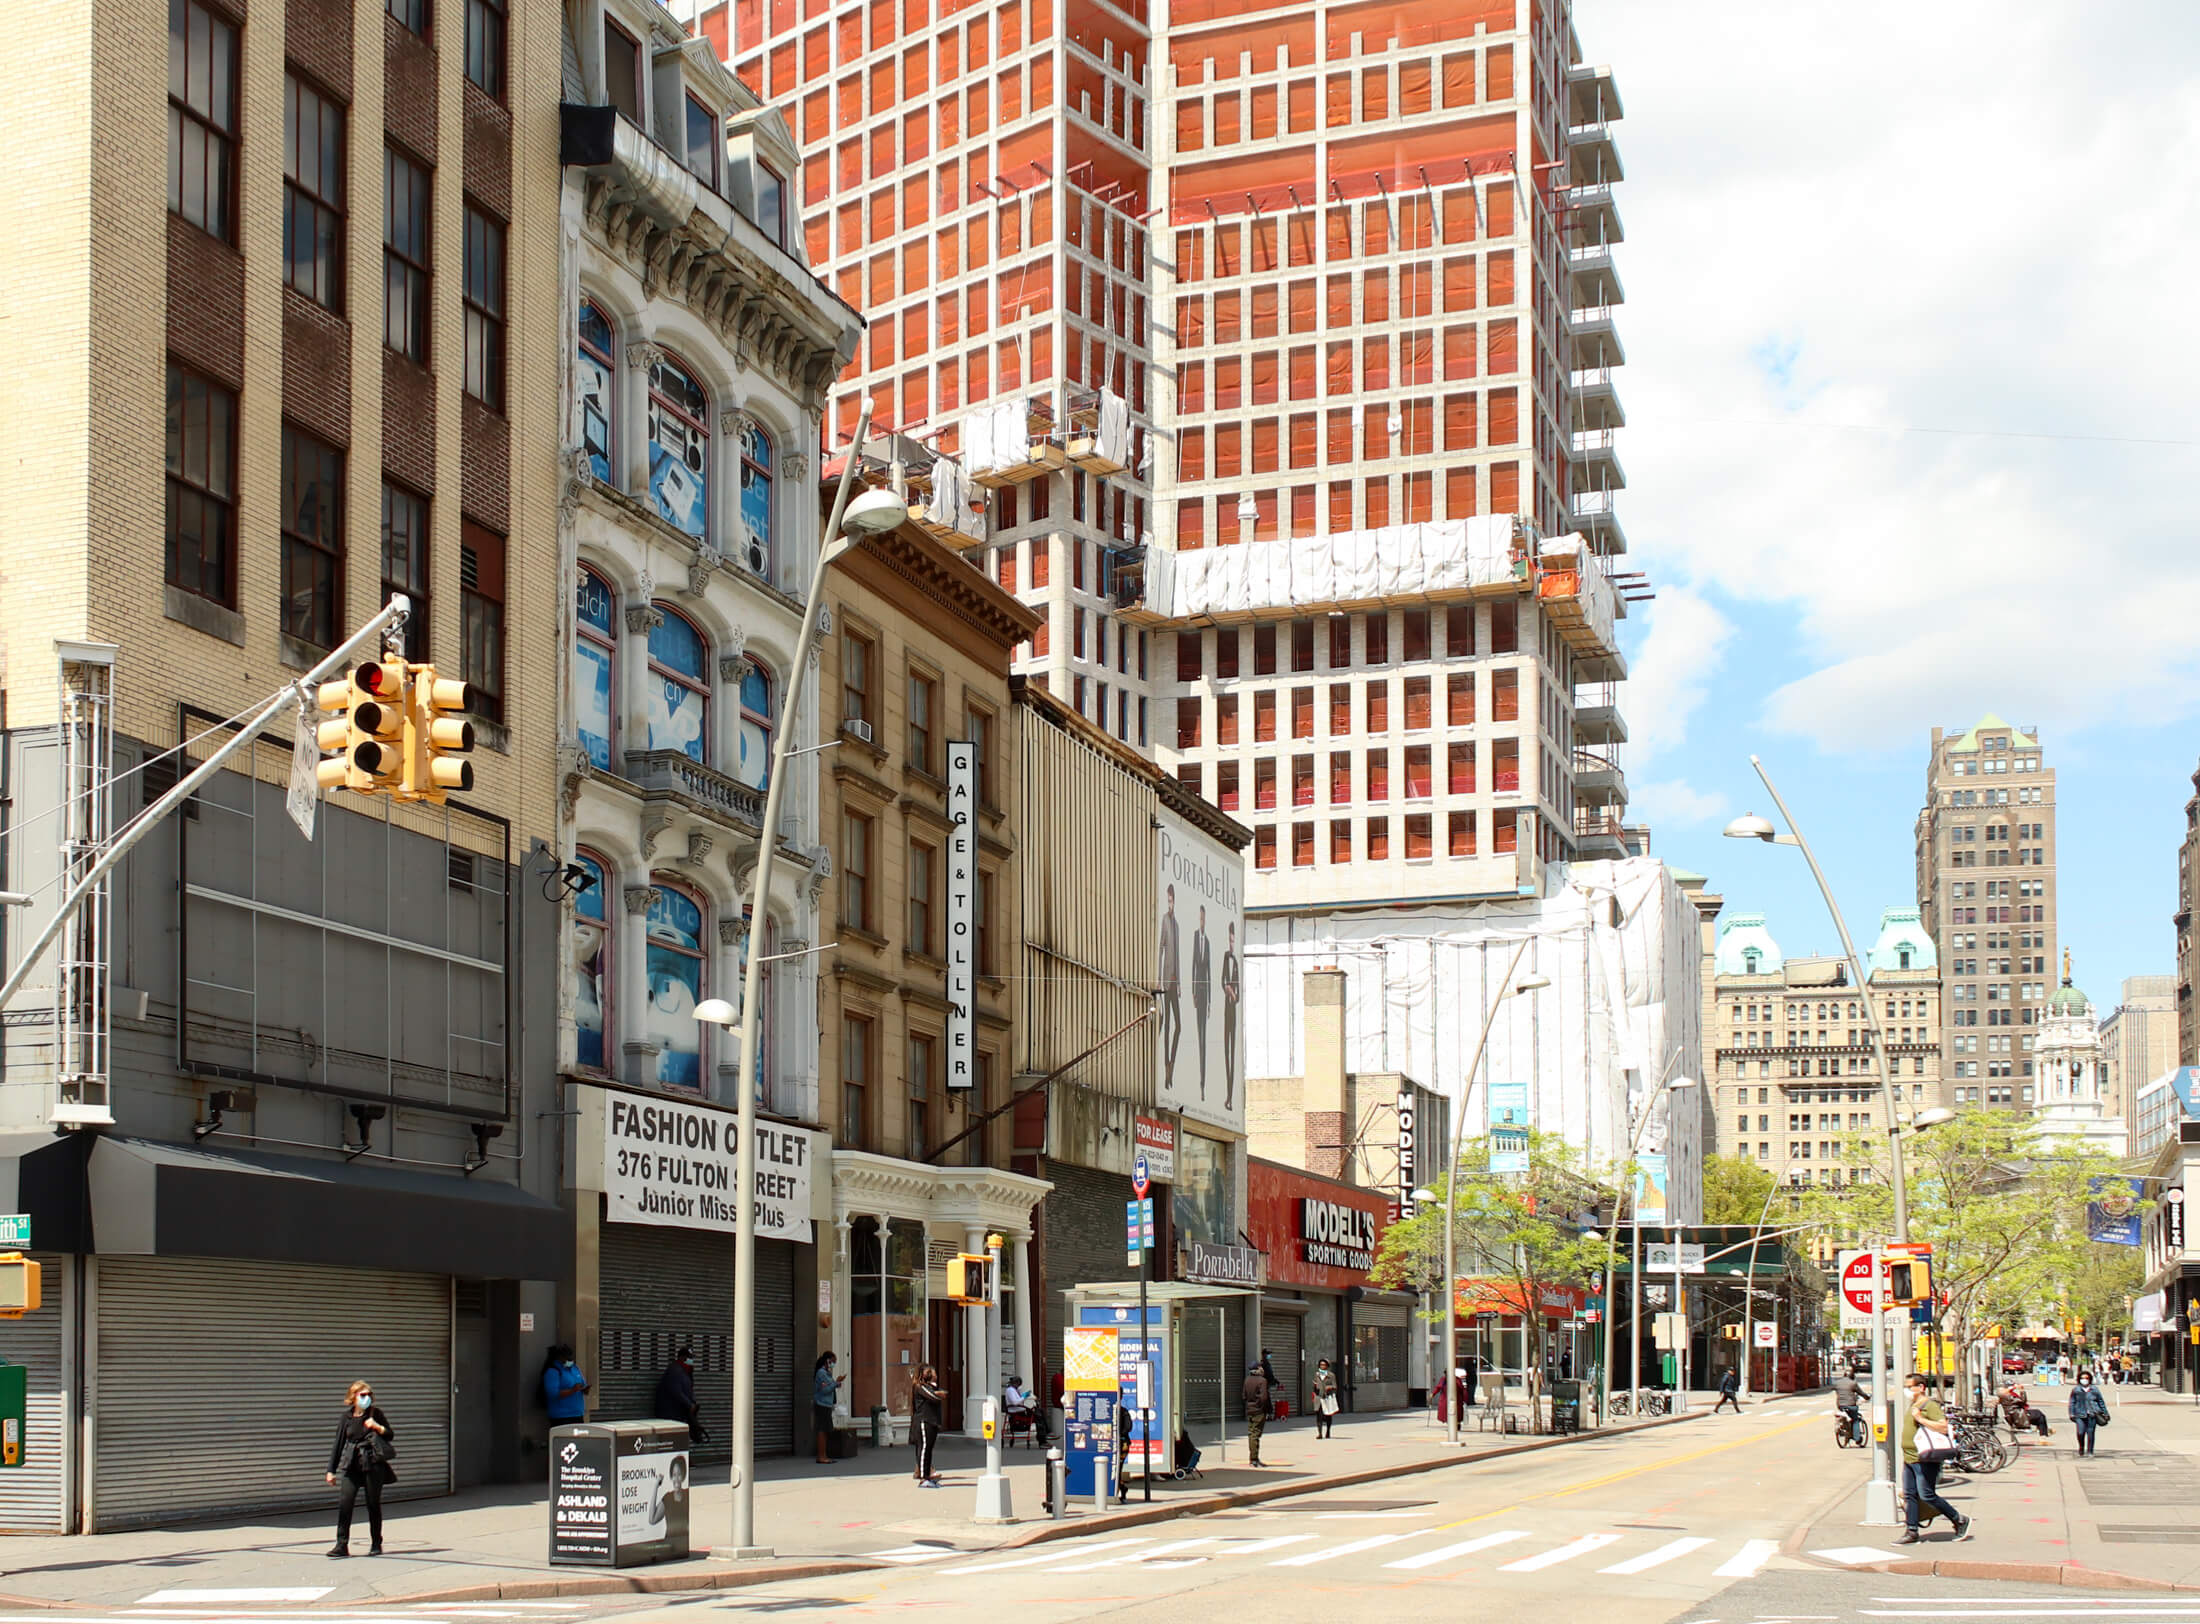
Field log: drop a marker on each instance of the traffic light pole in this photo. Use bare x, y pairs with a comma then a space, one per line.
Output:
302, 692
742, 1432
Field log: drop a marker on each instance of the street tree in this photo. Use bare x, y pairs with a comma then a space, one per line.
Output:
2002, 1207
1734, 1190
1521, 1231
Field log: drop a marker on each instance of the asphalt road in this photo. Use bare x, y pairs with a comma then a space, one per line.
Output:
1637, 1530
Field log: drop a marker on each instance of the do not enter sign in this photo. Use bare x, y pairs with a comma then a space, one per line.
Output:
1858, 1272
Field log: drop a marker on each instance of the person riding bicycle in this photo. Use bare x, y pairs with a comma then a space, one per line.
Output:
1848, 1396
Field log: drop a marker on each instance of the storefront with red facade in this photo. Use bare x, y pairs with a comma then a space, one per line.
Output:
1493, 1330
1319, 1237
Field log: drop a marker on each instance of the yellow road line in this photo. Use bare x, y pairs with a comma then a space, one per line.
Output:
1637, 1471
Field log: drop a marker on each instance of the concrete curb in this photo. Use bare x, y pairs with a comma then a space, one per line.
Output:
619, 1584
2028, 1573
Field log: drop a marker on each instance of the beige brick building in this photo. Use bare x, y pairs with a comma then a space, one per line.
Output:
287, 341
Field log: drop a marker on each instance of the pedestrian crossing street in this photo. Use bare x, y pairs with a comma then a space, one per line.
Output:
1431, 1551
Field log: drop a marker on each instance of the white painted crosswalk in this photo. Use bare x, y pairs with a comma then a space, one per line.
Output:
1625, 1553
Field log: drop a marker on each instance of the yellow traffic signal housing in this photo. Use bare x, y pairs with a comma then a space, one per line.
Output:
1910, 1280
368, 735
19, 1293
1733, 1333
970, 1280
434, 734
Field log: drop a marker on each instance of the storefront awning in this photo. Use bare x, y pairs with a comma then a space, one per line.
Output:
1157, 1291
190, 1201
42, 1174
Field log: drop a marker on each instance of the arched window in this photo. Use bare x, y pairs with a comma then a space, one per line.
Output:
679, 692
679, 446
754, 765
756, 499
593, 371
676, 982
595, 666
590, 968
1749, 961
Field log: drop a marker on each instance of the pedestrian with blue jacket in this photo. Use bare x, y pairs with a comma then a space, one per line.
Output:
825, 1389
2088, 1410
564, 1388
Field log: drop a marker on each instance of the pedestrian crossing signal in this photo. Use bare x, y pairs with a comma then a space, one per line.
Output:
19, 1286
1733, 1333
970, 1280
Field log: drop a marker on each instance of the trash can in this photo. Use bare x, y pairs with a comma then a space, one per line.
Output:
880, 1427
619, 1493
1566, 1405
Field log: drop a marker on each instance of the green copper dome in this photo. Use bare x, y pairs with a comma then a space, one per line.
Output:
2067, 1000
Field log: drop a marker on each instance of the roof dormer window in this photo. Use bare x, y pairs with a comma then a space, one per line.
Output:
622, 72
705, 143
771, 202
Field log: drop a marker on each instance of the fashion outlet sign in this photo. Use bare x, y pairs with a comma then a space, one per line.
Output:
667, 1162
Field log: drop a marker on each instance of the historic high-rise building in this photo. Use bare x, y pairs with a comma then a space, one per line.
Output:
2138, 1040
1986, 888
1788, 1058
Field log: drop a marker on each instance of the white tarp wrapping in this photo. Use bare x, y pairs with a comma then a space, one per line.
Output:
1600, 604
1623, 1011
1115, 428
949, 507
996, 436
1359, 566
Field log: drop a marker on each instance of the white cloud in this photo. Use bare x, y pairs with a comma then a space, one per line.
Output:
1673, 803
1669, 675
1980, 227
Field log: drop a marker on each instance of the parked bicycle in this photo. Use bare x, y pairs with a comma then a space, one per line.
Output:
1980, 1446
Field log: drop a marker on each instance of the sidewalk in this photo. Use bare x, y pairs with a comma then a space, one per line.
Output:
820, 1520
2129, 1514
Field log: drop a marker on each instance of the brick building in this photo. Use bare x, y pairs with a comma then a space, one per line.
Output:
297, 328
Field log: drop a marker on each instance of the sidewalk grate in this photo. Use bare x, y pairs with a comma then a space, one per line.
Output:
2153, 1477
2148, 1534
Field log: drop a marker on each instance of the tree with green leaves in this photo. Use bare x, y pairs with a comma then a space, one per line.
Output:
1734, 1190
1522, 1230
2003, 1209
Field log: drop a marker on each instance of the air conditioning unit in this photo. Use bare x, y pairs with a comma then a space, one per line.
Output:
858, 729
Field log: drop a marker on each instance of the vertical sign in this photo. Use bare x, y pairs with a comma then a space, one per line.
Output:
1406, 1167
1508, 1127
962, 909
1650, 1189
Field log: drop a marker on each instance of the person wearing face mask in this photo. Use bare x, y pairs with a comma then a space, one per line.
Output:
365, 1445
2088, 1410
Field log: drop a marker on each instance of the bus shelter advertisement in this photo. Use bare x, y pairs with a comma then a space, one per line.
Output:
1200, 971
666, 1162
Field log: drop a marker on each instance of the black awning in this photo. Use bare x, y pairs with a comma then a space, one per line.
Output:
191, 1201
42, 1173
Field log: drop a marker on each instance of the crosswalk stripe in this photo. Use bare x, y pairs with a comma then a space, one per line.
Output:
1349, 1548
1657, 1558
1134, 1558
1565, 1553
1466, 1547
1254, 1547
1059, 1554
1743, 1564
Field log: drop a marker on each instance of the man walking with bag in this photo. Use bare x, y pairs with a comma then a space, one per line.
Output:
1325, 1398
1255, 1394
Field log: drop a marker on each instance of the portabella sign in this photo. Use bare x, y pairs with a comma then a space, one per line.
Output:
671, 1163
1336, 1236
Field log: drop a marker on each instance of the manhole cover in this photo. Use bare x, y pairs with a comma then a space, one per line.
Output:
2144, 1534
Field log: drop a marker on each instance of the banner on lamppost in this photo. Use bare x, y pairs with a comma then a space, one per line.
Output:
1508, 1127
1650, 1177
962, 910
2112, 1216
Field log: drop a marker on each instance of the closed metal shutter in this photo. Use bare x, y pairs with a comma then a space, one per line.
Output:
31, 1495
660, 1289
217, 1383
1280, 1335
1214, 1366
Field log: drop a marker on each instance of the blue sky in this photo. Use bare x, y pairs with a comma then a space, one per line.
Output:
1911, 385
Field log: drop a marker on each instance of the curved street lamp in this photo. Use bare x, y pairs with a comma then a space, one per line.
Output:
1665, 1086
873, 513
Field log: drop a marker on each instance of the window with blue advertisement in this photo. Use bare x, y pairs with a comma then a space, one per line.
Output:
1149, 1444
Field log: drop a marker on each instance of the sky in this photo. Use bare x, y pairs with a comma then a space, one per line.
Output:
1912, 435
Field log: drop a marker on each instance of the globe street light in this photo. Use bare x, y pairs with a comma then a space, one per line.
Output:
1880, 1504
1530, 982
873, 513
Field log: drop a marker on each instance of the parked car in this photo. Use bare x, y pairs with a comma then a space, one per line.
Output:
2014, 1364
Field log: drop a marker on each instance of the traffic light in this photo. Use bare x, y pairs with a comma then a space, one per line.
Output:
434, 733
970, 1280
368, 732
18, 1286
1909, 1280
1733, 1333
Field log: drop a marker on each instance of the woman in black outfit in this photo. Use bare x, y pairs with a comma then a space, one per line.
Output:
361, 1457
927, 1410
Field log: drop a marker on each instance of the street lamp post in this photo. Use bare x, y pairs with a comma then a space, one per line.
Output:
1881, 1503
1526, 983
1611, 1246
873, 513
